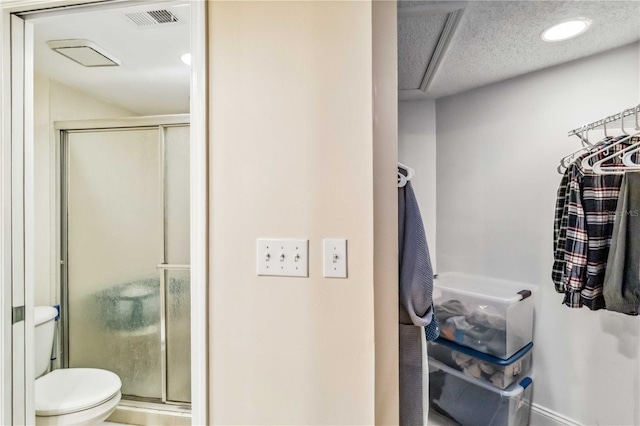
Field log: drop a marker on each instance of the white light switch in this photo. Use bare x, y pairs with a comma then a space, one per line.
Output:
283, 258
335, 258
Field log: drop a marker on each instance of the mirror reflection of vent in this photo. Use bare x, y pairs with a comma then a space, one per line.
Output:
152, 18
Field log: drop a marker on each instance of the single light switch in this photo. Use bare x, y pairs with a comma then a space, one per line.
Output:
283, 258
335, 258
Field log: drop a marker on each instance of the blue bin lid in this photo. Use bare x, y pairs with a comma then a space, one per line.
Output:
481, 355
525, 382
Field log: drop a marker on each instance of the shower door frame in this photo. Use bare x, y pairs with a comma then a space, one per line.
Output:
16, 120
60, 216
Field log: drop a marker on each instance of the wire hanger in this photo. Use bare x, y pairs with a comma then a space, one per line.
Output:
402, 178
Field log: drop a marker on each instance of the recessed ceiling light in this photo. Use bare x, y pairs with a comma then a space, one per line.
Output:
566, 30
186, 58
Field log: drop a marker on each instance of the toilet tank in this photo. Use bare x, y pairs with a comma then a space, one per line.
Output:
44, 333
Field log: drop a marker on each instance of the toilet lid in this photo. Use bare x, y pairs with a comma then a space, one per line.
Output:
69, 390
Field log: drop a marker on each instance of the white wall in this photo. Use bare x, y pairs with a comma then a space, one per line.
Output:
498, 148
417, 149
54, 101
291, 155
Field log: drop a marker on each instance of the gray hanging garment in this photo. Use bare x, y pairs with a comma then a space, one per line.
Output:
621, 288
416, 310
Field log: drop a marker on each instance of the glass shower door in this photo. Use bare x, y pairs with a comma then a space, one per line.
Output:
115, 241
126, 236
176, 267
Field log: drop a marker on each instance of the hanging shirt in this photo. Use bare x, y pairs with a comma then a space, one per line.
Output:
561, 221
560, 230
622, 278
592, 202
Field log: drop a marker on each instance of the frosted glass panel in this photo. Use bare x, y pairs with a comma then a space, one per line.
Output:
178, 336
115, 241
177, 194
177, 252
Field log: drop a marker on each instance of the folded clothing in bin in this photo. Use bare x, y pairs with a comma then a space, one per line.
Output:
480, 328
489, 315
471, 402
494, 370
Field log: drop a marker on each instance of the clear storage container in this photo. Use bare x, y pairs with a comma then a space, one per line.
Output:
473, 402
499, 372
489, 315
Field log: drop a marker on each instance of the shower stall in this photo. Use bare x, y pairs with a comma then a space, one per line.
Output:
124, 252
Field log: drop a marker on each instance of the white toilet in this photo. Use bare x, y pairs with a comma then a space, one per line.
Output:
69, 396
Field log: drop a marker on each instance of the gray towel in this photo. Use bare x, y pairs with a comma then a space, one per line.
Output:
416, 289
621, 288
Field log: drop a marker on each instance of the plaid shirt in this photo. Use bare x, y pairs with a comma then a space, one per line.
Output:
591, 207
560, 230
560, 225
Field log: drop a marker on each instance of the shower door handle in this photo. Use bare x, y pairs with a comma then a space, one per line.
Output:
174, 267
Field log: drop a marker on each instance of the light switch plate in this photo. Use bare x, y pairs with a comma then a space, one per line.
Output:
335, 257
283, 257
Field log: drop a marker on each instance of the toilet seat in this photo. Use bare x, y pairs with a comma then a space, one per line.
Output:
70, 390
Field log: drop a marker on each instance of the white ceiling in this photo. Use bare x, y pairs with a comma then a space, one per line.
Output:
493, 41
151, 80
497, 40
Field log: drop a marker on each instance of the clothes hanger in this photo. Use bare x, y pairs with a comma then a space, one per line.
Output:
616, 170
586, 146
620, 169
626, 158
606, 147
402, 178
628, 161
568, 159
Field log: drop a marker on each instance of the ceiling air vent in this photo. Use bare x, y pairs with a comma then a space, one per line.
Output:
84, 52
152, 18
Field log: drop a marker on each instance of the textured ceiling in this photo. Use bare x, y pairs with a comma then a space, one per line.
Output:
417, 39
151, 80
497, 40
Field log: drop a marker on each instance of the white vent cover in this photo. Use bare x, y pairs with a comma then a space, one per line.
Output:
84, 52
152, 17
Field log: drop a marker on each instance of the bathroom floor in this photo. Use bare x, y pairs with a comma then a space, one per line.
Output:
436, 419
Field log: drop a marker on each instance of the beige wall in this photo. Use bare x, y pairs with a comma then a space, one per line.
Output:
385, 152
291, 156
54, 101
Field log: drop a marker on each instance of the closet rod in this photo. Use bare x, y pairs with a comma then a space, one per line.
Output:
610, 119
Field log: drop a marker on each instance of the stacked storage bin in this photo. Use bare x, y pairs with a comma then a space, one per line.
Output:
478, 368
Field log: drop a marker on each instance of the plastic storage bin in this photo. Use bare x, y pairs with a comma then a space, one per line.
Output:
489, 315
496, 371
473, 402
